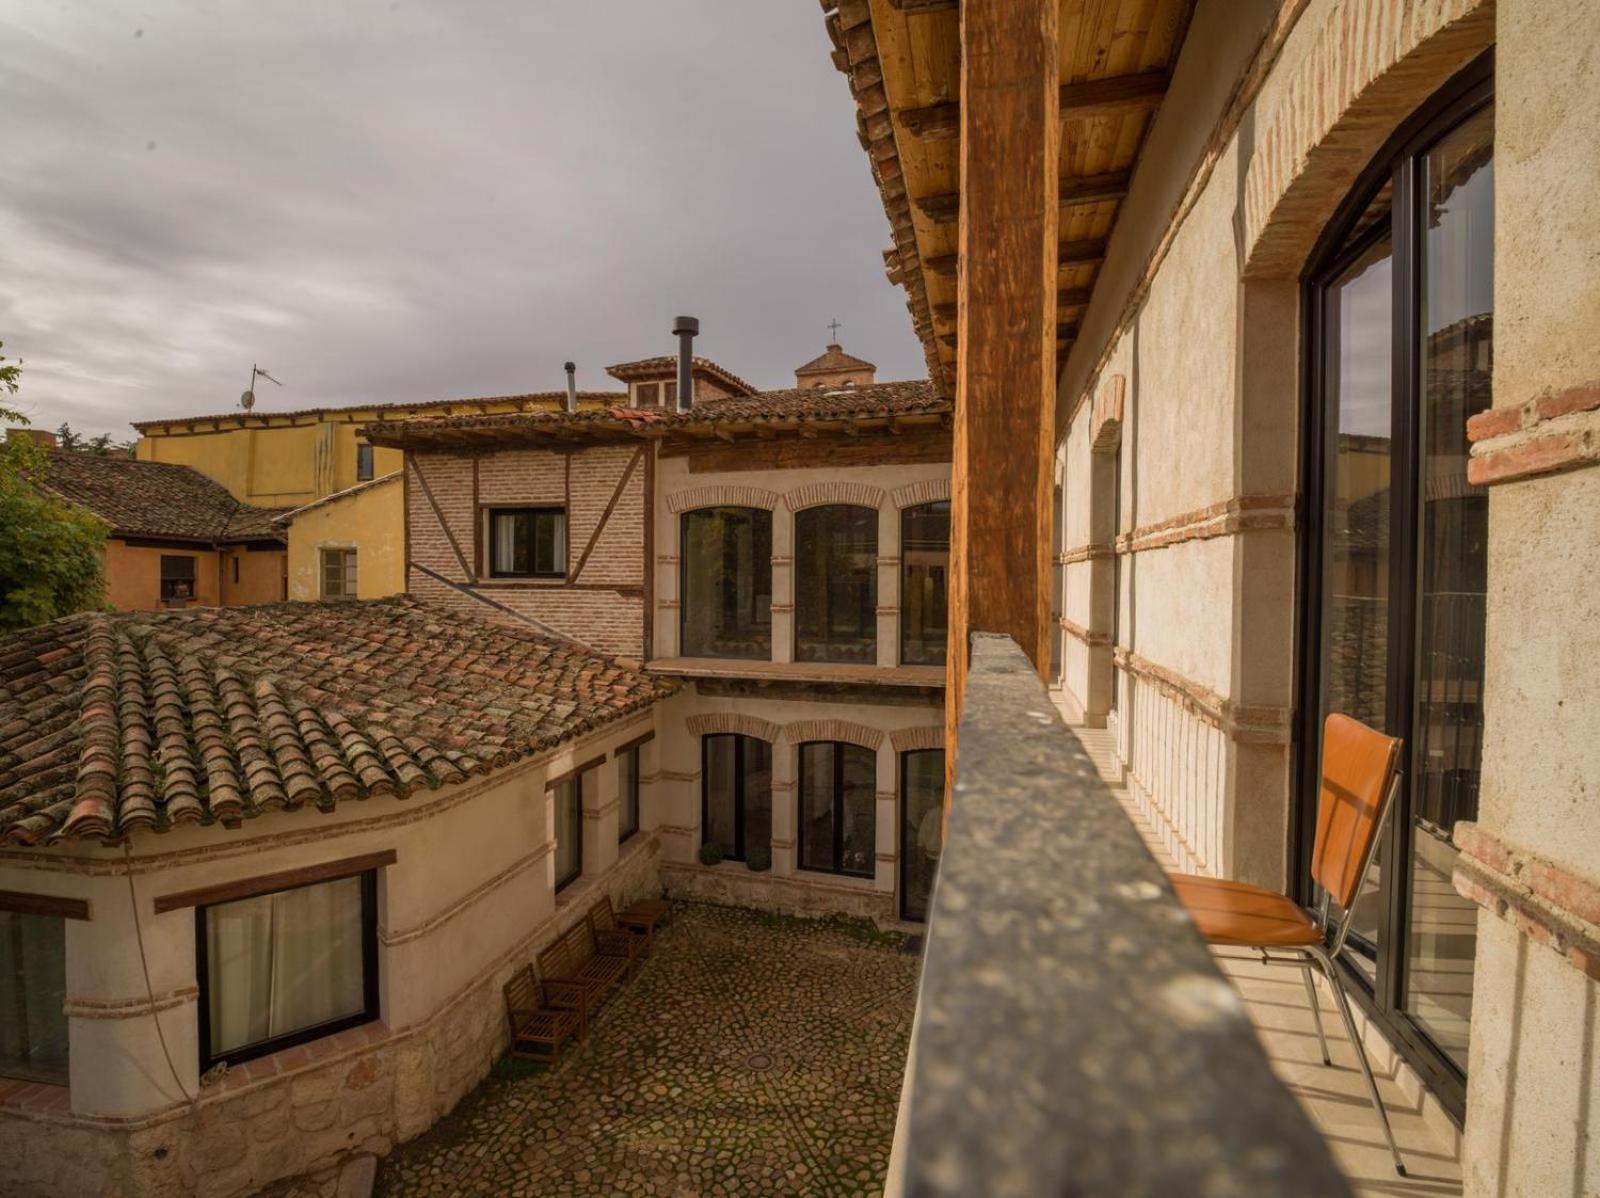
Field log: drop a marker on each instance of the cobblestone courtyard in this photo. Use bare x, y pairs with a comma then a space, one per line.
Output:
753, 1054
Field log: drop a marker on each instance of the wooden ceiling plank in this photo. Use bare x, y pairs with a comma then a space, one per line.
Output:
1114, 95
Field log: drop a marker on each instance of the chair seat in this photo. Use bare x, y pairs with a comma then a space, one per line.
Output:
607, 971
546, 1025
1237, 913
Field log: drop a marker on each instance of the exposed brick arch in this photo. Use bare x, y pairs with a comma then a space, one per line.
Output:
817, 494
929, 490
712, 722
847, 731
906, 740
1374, 63
722, 496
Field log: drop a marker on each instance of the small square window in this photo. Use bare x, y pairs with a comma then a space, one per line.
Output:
528, 543
649, 395
363, 463
177, 579
338, 573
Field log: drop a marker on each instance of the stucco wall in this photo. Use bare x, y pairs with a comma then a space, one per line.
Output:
133, 576
451, 927
371, 521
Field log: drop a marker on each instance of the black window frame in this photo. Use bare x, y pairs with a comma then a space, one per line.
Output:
812, 583
837, 867
365, 455
741, 799
169, 581
495, 514
1382, 996
905, 657
577, 784
903, 772
629, 798
369, 981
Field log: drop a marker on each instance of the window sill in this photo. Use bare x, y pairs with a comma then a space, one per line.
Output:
797, 671
302, 1056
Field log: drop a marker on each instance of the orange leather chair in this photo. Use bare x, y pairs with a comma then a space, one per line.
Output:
1359, 781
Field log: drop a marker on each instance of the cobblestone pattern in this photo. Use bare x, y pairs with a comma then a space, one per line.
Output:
754, 1054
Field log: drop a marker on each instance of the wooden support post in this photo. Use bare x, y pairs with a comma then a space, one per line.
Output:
1006, 365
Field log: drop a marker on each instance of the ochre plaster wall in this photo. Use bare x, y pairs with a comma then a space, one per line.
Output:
371, 521
133, 576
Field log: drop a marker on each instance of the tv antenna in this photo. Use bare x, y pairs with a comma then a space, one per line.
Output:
248, 399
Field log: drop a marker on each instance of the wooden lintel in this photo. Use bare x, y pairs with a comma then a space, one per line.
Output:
1079, 101
20, 903
243, 888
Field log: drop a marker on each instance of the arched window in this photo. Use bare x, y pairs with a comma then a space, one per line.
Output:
836, 584
735, 794
924, 583
727, 583
838, 821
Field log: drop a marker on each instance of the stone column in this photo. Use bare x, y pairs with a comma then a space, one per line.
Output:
887, 831
1532, 859
782, 584
888, 585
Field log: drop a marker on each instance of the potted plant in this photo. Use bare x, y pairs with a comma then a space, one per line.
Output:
759, 860
710, 854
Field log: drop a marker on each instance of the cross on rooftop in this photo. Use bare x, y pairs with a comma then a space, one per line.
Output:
833, 327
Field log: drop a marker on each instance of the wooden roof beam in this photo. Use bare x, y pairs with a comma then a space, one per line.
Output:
1067, 297
1084, 252
917, 7
945, 207
1094, 97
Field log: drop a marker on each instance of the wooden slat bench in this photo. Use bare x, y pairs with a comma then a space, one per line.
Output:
540, 1016
572, 958
611, 939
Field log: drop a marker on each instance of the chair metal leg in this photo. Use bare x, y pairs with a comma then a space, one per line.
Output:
1316, 1010
1343, 1003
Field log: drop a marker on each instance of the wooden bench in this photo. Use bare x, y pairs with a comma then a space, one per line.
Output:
645, 916
540, 1019
613, 940
572, 958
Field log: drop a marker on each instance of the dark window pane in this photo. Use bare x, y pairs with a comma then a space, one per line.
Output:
628, 793
720, 782
528, 542
363, 463
569, 830
727, 583
33, 991
757, 795
838, 817
1456, 357
836, 584
177, 578
924, 582
921, 829
284, 963
736, 794
1355, 570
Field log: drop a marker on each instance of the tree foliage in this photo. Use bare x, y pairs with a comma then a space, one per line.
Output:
102, 446
50, 552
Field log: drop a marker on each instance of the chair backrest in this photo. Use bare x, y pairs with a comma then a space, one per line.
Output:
602, 916
1358, 765
523, 992
555, 959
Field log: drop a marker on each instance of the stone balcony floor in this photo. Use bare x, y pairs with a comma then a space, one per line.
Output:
1335, 1098
752, 1054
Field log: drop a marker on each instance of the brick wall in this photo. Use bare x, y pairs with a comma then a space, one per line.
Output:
602, 604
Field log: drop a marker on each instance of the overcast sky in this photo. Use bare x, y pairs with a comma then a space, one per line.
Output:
401, 201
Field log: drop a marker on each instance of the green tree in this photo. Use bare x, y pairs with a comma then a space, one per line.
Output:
50, 552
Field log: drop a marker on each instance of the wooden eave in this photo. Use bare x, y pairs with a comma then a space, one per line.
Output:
903, 60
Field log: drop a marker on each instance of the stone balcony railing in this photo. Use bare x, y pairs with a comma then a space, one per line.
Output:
1073, 1035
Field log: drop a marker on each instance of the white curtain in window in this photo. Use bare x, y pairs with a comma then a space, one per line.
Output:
284, 962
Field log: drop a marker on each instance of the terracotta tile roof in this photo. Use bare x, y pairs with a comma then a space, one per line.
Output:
147, 721
390, 411
834, 359
666, 367
155, 499
874, 405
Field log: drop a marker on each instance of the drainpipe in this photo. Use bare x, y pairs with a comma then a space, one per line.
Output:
572, 387
685, 328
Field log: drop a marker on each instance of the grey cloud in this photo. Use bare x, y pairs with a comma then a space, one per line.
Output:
408, 201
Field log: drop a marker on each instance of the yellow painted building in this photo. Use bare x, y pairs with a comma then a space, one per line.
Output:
351, 544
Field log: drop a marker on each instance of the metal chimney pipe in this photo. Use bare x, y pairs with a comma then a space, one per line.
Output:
572, 387
686, 329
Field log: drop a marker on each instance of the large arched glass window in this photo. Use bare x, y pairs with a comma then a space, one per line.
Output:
924, 583
727, 583
838, 820
736, 794
836, 584
1401, 339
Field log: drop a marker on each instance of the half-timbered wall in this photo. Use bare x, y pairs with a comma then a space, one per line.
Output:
600, 602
